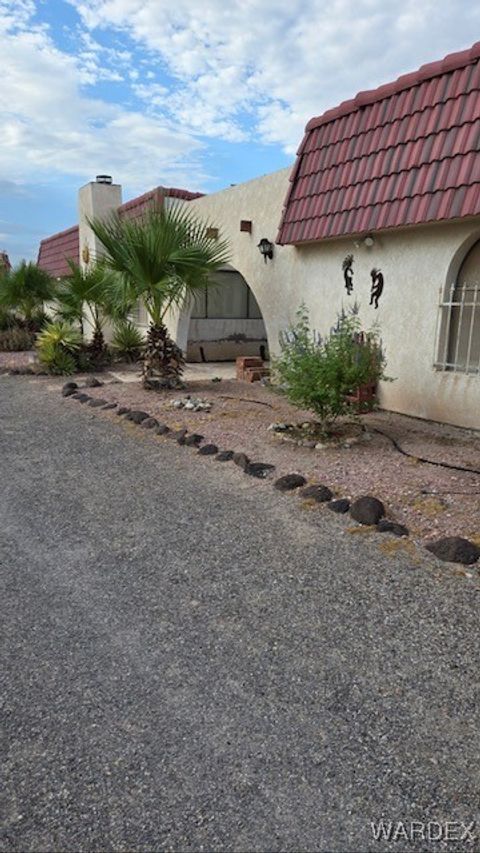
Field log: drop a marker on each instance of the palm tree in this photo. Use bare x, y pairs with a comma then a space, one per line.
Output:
162, 260
26, 289
85, 295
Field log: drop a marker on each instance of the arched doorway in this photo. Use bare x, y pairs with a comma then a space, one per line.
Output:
226, 321
460, 327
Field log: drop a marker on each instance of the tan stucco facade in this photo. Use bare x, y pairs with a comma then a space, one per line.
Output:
416, 262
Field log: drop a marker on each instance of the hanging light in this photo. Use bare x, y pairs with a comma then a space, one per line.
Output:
266, 248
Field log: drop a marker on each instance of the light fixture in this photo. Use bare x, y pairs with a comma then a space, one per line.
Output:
368, 241
266, 248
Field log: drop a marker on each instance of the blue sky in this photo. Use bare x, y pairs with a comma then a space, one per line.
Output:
192, 94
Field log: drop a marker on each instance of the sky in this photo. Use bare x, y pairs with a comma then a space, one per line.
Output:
198, 94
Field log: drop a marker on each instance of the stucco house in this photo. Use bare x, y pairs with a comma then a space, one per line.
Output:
381, 207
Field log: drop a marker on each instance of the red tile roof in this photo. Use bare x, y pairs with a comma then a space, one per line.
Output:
55, 251
402, 154
137, 206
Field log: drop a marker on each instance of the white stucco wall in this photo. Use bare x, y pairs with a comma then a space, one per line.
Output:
95, 201
415, 262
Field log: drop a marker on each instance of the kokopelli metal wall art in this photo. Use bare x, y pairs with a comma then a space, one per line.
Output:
347, 267
377, 287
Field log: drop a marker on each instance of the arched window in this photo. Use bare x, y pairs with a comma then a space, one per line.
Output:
458, 346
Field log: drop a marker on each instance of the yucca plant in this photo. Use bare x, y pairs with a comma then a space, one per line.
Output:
127, 340
57, 345
25, 289
162, 260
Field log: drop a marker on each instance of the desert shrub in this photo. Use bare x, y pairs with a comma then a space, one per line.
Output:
14, 339
319, 373
61, 362
127, 341
7, 319
57, 345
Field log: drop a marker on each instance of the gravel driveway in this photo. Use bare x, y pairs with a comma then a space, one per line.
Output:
192, 662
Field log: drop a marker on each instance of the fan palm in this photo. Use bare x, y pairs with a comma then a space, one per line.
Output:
162, 260
26, 289
85, 295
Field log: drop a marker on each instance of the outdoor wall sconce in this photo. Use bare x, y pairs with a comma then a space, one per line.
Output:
266, 248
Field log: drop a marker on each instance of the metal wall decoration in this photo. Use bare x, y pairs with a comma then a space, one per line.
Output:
377, 287
347, 267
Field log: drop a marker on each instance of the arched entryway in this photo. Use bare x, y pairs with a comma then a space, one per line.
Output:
226, 321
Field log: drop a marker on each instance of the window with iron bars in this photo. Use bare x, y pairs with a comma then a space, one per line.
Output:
457, 345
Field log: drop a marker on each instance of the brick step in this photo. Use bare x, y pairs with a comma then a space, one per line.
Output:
244, 362
254, 374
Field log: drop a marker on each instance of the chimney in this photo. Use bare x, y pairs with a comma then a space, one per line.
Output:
96, 200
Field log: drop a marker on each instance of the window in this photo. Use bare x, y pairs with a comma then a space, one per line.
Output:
228, 297
458, 337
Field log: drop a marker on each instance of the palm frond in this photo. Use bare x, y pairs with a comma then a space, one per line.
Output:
163, 257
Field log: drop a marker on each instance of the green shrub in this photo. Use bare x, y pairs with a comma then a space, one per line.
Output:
57, 345
7, 319
128, 341
61, 362
319, 373
14, 339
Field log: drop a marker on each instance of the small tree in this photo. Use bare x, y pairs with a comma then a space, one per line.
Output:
319, 373
85, 294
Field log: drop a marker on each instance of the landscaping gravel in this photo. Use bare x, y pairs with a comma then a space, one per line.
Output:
429, 500
194, 662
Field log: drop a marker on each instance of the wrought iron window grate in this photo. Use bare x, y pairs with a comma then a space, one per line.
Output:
457, 337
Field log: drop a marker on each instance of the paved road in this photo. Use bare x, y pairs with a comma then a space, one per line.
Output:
193, 662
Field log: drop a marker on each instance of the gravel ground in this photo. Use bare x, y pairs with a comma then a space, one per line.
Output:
432, 501
191, 662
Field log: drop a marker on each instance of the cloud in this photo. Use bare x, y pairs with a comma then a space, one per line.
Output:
11, 189
51, 126
275, 65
